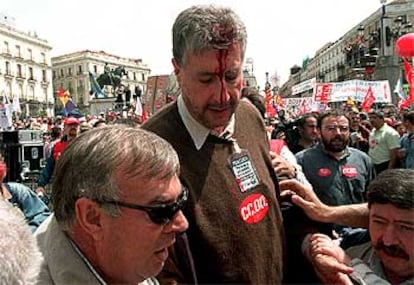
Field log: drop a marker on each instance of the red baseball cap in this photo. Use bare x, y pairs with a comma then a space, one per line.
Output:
71, 121
389, 122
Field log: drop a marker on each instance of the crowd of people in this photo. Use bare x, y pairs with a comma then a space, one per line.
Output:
210, 191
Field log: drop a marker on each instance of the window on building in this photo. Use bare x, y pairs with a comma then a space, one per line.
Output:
80, 84
45, 96
6, 47
54, 74
70, 71
8, 71
30, 53
31, 73
31, 93
143, 76
19, 70
95, 69
44, 76
135, 76
21, 94
70, 88
61, 73
43, 55
79, 69
9, 90
18, 52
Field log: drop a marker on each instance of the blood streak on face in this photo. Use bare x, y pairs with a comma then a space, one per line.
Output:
221, 58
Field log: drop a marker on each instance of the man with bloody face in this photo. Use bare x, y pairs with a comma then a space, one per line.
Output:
235, 224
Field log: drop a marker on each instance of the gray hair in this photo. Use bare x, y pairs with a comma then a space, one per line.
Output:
89, 164
206, 26
20, 257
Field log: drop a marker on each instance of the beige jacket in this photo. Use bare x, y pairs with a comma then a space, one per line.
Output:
62, 265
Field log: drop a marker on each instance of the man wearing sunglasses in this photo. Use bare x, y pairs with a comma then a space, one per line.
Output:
117, 209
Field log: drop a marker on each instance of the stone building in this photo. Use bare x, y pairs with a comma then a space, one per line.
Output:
365, 52
71, 72
25, 69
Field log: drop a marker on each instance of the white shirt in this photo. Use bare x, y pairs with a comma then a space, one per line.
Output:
197, 131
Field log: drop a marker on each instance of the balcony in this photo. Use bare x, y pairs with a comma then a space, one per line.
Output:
18, 57
32, 79
8, 74
20, 77
6, 53
44, 82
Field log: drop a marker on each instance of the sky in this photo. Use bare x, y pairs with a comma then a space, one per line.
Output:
280, 33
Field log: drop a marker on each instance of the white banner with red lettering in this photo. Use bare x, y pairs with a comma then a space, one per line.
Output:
355, 89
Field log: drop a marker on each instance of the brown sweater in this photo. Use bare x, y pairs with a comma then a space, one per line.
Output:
227, 244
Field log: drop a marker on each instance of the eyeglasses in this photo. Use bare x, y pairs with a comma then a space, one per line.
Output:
333, 128
311, 126
160, 214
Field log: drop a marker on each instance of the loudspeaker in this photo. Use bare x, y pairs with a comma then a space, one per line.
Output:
9, 137
12, 158
33, 155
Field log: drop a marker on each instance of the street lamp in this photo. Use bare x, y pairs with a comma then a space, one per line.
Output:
361, 55
388, 66
383, 2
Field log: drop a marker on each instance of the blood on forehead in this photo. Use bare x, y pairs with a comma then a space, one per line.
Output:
222, 36
222, 58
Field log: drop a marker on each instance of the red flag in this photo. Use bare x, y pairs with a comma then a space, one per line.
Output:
303, 108
63, 96
279, 101
368, 100
409, 76
144, 116
268, 98
404, 103
61, 93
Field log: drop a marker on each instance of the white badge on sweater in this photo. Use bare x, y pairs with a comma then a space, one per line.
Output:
243, 169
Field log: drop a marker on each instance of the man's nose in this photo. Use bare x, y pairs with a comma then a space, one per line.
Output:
179, 223
389, 236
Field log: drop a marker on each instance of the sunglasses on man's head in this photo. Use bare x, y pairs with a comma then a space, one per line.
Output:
159, 214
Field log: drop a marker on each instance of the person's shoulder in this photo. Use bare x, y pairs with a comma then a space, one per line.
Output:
45, 227
358, 152
312, 151
246, 108
150, 281
163, 117
359, 251
17, 188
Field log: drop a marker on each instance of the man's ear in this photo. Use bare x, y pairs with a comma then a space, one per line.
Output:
176, 67
90, 217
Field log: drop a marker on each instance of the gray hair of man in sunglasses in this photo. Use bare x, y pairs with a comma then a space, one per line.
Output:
20, 258
89, 164
207, 26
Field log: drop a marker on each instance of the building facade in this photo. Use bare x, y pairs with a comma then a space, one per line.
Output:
25, 69
366, 52
71, 72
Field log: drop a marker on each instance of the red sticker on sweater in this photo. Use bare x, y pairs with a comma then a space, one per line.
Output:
324, 172
254, 208
349, 171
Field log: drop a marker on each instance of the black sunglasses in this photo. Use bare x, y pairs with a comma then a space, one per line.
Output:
160, 214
